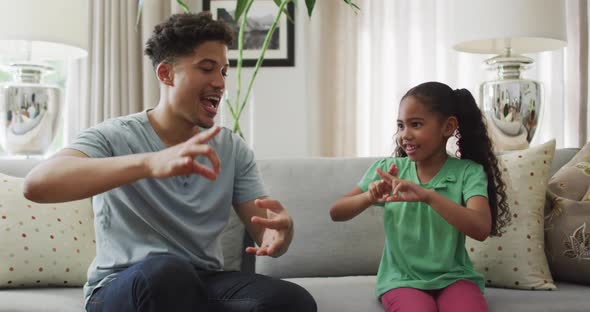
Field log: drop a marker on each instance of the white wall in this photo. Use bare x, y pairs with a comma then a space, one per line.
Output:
281, 109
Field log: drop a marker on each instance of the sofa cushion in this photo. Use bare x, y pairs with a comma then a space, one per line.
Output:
566, 298
348, 293
356, 293
43, 244
45, 299
321, 247
568, 222
517, 258
572, 181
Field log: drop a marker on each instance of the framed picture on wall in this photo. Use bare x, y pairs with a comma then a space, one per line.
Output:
281, 49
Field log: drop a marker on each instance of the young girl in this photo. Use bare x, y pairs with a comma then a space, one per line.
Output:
431, 201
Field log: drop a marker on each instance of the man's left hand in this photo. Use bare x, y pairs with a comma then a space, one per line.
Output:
278, 229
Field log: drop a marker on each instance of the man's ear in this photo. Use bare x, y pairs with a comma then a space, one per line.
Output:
165, 73
451, 125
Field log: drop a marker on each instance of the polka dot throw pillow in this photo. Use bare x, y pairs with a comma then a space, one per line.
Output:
43, 244
517, 258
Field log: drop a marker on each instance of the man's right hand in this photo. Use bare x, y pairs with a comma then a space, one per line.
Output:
179, 159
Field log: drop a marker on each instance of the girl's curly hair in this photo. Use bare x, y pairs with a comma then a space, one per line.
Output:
180, 34
472, 139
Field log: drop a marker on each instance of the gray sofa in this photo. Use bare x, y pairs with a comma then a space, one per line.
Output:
335, 262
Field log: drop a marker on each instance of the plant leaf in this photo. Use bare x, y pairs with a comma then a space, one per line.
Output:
310, 4
240, 6
352, 4
278, 3
241, 30
183, 5
261, 56
138, 16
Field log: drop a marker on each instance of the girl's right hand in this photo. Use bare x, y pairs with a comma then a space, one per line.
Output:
380, 190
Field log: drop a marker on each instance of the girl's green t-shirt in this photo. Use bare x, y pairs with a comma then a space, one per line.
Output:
422, 250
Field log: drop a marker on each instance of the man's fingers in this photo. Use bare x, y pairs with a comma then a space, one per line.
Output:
271, 224
251, 250
258, 251
196, 149
182, 163
270, 204
203, 149
267, 250
275, 246
200, 139
203, 170
205, 136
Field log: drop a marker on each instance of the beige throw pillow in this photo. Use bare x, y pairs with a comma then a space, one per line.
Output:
43, 244
517, 258
568, 221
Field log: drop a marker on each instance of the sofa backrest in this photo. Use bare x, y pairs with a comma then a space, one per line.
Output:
307, 187
233, 238
562, 156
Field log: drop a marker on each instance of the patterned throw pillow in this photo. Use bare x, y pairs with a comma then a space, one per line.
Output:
568, 221
517, 258
43, 244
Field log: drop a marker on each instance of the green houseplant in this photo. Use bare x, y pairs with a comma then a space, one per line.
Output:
237, 105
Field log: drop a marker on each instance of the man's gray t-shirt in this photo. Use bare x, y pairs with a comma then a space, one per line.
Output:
182, 215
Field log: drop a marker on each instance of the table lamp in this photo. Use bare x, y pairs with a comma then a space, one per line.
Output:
31, 32
509, 28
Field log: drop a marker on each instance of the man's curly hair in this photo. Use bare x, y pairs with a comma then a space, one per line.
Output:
182, 33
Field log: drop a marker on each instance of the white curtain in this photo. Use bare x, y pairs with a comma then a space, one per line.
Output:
575, 108
332, 66
399, 44
115, 79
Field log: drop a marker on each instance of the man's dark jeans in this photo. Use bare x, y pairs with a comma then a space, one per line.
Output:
168, 283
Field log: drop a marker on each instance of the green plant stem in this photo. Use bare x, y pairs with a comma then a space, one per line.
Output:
263, 51
236, 127
241, 53
184, 6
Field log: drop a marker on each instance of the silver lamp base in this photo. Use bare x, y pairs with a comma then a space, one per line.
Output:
29, 111
511, 104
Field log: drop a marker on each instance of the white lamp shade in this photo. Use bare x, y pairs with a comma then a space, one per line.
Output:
55, 29
490, 26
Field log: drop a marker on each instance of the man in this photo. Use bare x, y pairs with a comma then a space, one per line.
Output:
163, 181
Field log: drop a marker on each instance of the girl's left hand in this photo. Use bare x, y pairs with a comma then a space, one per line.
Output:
403, 190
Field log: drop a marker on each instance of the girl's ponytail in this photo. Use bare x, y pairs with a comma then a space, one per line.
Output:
475, 144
